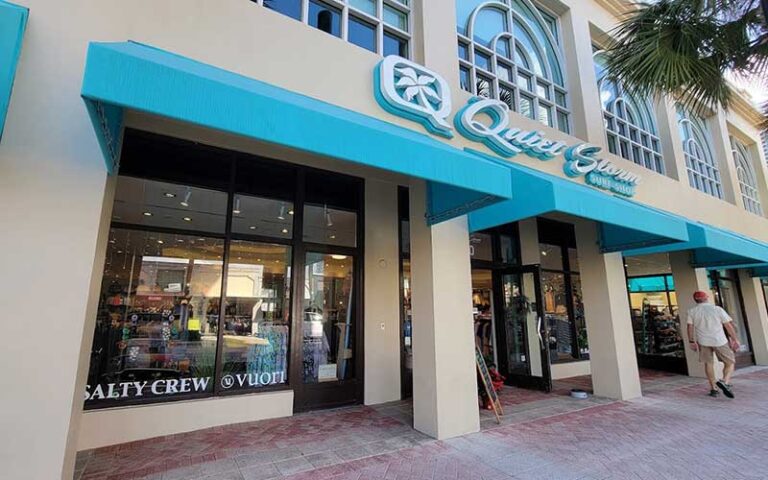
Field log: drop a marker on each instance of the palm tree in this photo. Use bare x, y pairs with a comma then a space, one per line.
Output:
685, 48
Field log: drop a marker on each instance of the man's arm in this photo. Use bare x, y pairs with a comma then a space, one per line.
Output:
733, 340
692, 338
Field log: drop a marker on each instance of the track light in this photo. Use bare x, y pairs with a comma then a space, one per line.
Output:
236, 211
188, 194
328, 220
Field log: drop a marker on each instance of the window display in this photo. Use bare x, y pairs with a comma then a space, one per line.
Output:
256, 321
328, 334
655, 316
156, 330
197, 296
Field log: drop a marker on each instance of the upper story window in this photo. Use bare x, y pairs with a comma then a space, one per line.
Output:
630, 126
509, 50
745, 171
381, 26
703, 172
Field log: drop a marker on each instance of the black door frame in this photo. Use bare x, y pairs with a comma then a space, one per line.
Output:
524, 380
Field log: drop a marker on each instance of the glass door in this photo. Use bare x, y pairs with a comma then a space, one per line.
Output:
521, 332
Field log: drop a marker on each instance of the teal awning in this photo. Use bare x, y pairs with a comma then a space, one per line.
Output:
712, 247
13, 20
129, 75
623, 224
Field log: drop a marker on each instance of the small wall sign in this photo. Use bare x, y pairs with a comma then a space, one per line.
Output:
409, 90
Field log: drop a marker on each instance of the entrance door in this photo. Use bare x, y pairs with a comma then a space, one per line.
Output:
521, 328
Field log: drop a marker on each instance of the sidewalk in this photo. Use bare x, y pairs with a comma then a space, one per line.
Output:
674, 432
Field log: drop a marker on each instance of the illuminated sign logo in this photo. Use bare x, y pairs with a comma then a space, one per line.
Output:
410, 90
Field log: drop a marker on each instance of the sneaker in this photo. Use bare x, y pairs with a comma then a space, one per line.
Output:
726, 388
714, 393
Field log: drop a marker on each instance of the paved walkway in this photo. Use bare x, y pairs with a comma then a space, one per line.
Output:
674, 432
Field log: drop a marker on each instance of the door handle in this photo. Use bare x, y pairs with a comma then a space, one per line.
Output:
538, 332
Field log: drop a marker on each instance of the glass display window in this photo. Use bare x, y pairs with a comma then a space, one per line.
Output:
328, 332
197, 295
157, 324
655, 316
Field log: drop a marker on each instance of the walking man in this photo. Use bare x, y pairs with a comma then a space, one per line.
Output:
706, 324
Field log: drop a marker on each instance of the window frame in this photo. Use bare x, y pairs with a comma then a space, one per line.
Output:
700, 163
559, 116
376, 20
298, 247
747, 177
647, 144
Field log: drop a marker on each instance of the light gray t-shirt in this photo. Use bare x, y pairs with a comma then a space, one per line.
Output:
708, 320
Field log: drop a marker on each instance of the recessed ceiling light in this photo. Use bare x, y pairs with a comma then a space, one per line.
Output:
119, 251
112, 241
290, 212
252, 227
285, 230
187, 219
147, 214
544, 253
180, 240
160, 242
332, 237
169, 195
258, 259
339, 257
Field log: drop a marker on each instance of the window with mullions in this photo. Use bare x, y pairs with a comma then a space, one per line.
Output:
745, 172
196, 295
703, 171
563, 303
381, 26
509, 50
630, 125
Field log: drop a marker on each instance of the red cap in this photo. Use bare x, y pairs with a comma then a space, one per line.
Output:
700, 295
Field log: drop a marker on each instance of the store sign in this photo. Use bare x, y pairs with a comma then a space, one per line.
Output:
154, 388
166, 387
409, 90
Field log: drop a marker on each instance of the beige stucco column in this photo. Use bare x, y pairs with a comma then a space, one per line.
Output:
382, 293
688, 280
444, 379
671, 141
582, 79
757, 315
606, 309
723, 153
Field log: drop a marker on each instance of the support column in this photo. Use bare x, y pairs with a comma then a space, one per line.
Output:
444, 380
723, 153
688, 280
609, 325
582, 80
757, 315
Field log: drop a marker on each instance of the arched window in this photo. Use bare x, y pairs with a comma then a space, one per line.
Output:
630, 125
703, 172
509, 50
747, 180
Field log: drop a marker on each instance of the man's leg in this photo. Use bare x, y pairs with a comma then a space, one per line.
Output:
709, 368
730, 366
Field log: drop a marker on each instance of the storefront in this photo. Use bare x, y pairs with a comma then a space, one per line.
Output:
217, 232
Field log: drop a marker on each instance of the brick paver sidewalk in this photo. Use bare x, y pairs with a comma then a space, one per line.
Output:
674, 432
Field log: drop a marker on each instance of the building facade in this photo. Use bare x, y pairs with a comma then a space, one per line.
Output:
230, 211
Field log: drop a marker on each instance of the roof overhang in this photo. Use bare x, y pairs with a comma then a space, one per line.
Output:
13, 21
128, 75
623, 223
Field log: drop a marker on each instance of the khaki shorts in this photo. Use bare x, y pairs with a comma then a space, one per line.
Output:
723, 353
